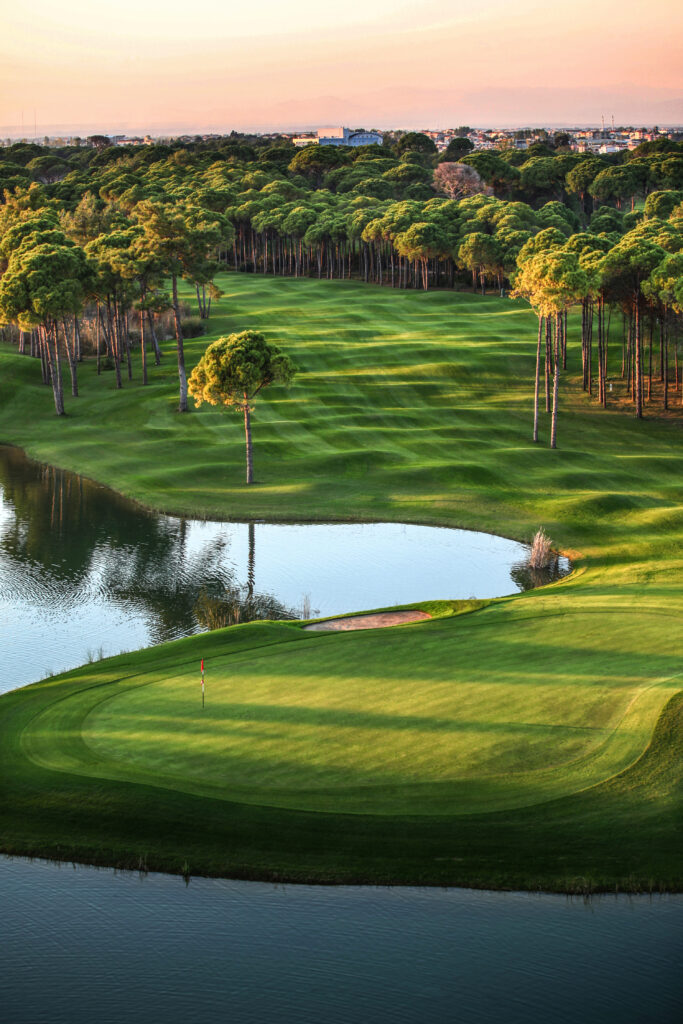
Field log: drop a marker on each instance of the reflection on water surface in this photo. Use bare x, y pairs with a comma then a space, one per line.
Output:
84, 572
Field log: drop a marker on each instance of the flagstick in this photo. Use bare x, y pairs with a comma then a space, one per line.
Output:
202, 684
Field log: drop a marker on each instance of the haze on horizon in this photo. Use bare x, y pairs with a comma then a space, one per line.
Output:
218, 65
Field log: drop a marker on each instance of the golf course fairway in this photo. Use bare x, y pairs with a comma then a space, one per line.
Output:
531, 741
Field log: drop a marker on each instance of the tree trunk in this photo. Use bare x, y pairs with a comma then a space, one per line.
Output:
143, 350
538, 375
155, 343
548, 361
639, 361
556, 382
665, 358
97, 341
182, 375
52, 345
584, 342
601, 379
114, 334
44, 361
605, 348
629, 353
247, 438
126, 338
71, 357
590, 349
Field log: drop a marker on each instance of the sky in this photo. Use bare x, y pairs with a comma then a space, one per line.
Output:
162, 65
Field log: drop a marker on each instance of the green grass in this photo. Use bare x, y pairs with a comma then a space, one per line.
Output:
529, 743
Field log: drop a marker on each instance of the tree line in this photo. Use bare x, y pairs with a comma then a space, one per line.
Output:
99, 239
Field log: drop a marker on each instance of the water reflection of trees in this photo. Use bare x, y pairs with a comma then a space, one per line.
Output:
525, 577
231, 604
67, 539
238, 604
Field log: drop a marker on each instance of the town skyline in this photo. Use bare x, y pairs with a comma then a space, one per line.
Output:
495, 136
607, 138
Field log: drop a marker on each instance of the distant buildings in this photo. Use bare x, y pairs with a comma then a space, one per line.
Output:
339, 137
604, 141
132, 140
307, 139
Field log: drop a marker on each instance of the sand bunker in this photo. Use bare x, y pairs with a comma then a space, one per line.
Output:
370, 621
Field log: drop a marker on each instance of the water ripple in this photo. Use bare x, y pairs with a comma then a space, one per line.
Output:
116, 948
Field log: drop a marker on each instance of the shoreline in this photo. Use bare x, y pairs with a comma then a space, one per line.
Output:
582, 889
276, 519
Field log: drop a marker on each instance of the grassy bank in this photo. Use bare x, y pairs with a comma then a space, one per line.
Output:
530, 743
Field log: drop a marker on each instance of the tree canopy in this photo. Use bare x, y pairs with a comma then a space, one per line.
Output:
233, 370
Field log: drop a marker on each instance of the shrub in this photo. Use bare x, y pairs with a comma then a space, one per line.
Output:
541, 550
193, 327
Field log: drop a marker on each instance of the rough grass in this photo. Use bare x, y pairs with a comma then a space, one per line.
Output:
528, 744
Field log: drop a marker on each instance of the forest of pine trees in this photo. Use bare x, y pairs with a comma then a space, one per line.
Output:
93, 243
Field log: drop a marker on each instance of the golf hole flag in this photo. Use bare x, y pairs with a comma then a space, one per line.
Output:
202, 682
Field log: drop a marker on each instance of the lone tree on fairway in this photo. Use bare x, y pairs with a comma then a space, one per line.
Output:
233, 370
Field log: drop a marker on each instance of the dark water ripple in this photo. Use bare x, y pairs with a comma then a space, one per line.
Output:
82, 945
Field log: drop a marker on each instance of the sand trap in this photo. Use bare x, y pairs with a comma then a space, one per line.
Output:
370, 621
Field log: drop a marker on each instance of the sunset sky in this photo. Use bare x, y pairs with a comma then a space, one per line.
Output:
216, 64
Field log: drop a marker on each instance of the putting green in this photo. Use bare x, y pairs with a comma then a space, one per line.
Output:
444, 717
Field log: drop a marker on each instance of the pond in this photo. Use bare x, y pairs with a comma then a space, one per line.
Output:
85, 573
81, 945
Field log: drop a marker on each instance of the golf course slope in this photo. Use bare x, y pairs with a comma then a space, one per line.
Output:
528, 742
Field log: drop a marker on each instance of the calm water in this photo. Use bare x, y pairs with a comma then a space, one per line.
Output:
85, 573
82, 946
